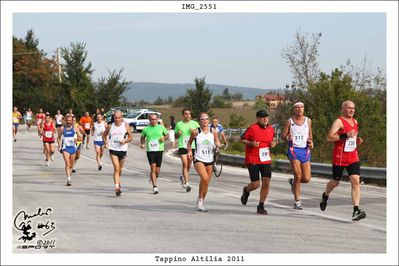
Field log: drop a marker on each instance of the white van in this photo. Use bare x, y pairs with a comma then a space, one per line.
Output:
140, 119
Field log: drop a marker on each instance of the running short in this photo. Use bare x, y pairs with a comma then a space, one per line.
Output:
15, 124
183, 151
48, 141
353, 169
155, 157
79, 146
301, 154
87, 131
99, 143
198, 161
58, 125
121, 154
265, 170
70, 150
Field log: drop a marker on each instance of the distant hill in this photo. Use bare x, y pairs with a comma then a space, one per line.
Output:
149, 91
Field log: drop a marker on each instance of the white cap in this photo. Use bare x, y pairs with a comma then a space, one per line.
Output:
298, 103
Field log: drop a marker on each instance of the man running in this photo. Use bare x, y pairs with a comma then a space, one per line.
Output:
344, 134
68, 146
205, 142
29, 118
16, 116
153, 139
218, 128
59, 118
182, 133
47, 130
40, 116
172, 131
120, 136
86, 122
97, 130
298, 132
258, 140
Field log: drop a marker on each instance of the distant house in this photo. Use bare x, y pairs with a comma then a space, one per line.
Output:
272, 100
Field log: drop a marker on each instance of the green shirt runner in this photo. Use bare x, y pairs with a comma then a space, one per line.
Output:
152, 134
185, 128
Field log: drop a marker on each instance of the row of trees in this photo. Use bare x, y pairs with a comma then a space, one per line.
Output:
36, 81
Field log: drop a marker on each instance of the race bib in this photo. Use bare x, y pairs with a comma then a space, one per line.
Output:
350, 144
264, 154
116, 141
299, 140
69, 141
185, 141
99, 134
48, 134
39, 121
153, 145
87, 125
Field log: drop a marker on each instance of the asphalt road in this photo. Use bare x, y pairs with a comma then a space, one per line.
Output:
89, 218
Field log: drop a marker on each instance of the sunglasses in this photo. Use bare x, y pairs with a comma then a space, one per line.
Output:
204, 118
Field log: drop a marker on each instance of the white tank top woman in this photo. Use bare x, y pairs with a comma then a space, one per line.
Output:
116, 135
99, 129
299, 133
204, 146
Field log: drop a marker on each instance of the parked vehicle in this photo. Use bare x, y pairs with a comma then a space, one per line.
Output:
140, 119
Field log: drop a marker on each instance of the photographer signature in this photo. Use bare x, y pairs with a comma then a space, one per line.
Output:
23, 221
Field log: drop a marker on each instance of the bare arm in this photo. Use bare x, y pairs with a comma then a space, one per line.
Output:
193, 134
105, 135
129, 135
310, 137
332, 135
286, 132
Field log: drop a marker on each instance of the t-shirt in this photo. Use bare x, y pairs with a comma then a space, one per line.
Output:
152, 134
261, 154
185, 128
86, 122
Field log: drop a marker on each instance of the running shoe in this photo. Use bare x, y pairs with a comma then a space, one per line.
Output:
323, 202
100, 167
244, 196
155, 190
52, 157
15, 140
118, 191
358, 215
201, 206
69, 181
261, 210
47, 163
187, 186
298, 205
291, 182
87, 147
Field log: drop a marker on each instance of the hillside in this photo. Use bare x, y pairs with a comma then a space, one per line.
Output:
149, 91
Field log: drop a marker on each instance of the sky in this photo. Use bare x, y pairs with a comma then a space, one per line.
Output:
240, 49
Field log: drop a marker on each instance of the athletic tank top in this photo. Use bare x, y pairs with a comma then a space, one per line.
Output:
58, 119
98, 131
15, 118
68, 137
48, 132
299, 133
204, 146
345, 150
116, 134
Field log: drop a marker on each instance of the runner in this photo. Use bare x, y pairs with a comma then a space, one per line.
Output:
298, 132
68, 146
153, 139
16, 116
218, 128
344, 134
182, 133
258, 140
59, 118
172, 131
29, 118
40, 116
205, 142
47, 130
79, 139
86, 123
97, 130
120, 136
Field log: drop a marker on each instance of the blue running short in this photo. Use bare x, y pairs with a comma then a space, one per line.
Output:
69, 149
99, 143
301, 154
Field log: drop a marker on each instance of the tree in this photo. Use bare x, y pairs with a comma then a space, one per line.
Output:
80, 92
198, 99
237, 121
226, 94
158, 101
219, 102
110, 89
302, 58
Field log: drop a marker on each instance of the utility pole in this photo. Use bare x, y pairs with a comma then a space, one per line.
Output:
59, 64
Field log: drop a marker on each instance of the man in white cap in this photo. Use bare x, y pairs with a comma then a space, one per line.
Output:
298, 133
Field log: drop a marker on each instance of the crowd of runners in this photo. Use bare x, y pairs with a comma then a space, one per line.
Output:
197, 143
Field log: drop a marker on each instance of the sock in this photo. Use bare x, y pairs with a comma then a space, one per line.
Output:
116, 185
325, 197
355, 208
260, 204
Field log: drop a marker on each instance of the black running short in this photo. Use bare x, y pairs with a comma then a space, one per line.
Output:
198, 161
155, 157
121, 154
353, 169
50, 142
183, 151
265, 170
87, 131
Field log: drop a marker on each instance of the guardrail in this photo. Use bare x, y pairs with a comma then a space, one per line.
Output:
317, 168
